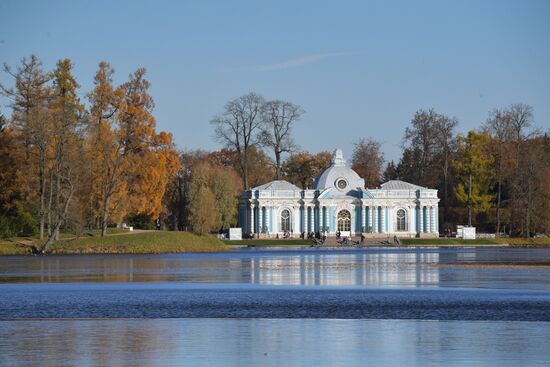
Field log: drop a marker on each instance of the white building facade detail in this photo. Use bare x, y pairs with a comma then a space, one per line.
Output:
339, 202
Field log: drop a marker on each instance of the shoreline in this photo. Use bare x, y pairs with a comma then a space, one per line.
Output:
172, 242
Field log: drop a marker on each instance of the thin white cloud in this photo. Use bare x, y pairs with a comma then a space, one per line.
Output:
294, 63
300, 61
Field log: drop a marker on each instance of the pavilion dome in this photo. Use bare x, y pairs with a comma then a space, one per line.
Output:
339, 176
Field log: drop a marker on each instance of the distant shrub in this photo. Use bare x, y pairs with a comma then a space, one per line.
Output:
140, 221
17, 223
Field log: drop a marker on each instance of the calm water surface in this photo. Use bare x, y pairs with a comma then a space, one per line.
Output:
269, 307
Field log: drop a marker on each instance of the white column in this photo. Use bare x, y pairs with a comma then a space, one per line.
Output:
375, 219
432, 220
324, 214
421, 219
383, 219
371, 219
267, 229
260, 217
412, 219
251, 228
429, 219
363, 218
304, 219
390, 219
310, 216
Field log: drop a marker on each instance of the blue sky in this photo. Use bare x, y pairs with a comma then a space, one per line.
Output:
358, 68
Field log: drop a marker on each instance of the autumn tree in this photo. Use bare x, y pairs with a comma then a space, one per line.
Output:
151, 157
532, 190
367, 160
260, 166
104, 150
213, 197
66, 114
15, 212
429, 146
28, 99
203, 212
278, 118
302, 168
499, 127
520, 120
473, 173
238, 128
420, 141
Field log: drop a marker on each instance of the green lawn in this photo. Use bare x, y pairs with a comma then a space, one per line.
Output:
131, 243
266, 242
448, 241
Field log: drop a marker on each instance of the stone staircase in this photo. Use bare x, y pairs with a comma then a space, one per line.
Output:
331, 242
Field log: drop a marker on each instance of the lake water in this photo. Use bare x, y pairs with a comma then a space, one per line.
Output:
271, 307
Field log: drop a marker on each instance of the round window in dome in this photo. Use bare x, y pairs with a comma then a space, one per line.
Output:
341, 184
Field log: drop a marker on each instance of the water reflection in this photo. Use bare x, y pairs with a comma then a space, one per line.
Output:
212, 342
403, 269
371, 267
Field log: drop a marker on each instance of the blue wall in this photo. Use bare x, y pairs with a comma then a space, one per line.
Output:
358, 221
242, 217
331, 218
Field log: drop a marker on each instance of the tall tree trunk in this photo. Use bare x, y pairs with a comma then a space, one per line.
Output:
277, 165
445, 191
528, 210
245, 169
50, 202
44, 248
105, 216
498, 204
57, 200
499, 188
42, 192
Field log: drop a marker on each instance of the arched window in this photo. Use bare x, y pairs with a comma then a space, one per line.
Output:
401, 220
344, 221
285, 221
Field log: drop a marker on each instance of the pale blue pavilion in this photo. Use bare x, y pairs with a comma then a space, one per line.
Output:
339, 202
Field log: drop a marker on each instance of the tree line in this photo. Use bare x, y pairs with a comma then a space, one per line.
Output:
495, 177
76, 165
67, 165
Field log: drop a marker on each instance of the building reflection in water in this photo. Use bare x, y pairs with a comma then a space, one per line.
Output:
332, 268
370, 269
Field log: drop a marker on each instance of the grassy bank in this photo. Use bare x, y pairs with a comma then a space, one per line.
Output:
526, 242
266, 242
129, 243
449, 241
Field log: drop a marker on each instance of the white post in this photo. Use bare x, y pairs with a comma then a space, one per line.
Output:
363, 218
